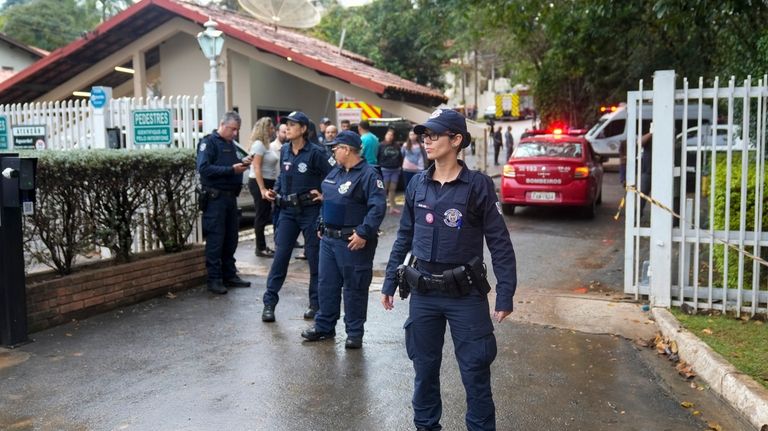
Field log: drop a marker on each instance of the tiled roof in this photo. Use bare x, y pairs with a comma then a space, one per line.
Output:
141, 18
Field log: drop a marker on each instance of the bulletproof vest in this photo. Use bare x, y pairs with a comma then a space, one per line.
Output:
300, 171
344, 200
448, 228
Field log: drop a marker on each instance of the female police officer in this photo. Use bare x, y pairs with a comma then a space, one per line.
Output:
448, 209
303, 166
353, 208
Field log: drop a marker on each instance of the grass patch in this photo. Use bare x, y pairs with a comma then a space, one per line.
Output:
744, 343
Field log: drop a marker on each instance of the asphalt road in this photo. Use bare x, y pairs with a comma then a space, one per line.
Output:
202, 362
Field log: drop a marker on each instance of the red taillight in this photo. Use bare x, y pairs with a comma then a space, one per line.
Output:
557, 132
509, 171
581, 172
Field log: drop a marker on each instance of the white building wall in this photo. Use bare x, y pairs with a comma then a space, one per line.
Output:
274, 89
13, 57
183, 68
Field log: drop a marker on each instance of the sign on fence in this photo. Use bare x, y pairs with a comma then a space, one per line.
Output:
28, 137
152, 126
3, 132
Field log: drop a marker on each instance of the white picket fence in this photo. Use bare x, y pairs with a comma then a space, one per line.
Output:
70, 125
707, 258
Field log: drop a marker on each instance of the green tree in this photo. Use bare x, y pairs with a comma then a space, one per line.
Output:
48, 24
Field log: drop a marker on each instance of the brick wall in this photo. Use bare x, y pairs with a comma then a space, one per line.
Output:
88, 292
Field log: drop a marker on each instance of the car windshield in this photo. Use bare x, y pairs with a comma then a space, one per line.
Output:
594, 128
569, 150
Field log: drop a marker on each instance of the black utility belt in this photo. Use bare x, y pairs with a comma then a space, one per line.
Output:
456, 282
215, 193
296, 200
343, 233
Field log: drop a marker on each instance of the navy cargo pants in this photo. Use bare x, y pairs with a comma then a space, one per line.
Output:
475, 349
350, 272
220, 227
291, 222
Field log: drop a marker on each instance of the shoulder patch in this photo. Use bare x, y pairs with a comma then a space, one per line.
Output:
202, 146
498, 207
380, 184
331, 161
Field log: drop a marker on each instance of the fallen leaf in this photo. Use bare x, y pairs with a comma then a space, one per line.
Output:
696, 413
687, 404
707, 331
170, 295
673, 346
714, 426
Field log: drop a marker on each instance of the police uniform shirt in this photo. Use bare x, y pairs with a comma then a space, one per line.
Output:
215, 157
444, 225
354, 198
303, 171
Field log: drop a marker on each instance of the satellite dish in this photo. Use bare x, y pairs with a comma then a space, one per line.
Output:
285, 13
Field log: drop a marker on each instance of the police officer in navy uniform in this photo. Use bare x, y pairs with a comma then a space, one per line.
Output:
221, 178
303, 166
448, 210
354, 203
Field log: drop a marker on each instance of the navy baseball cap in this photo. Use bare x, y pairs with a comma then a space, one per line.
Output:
296, 116
446, 120
325, 120
347, 137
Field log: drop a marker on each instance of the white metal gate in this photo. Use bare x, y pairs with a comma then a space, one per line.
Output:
696, 216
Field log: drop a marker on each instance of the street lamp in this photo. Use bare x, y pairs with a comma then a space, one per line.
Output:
211, 42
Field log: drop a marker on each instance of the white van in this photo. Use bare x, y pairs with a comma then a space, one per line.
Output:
611, 130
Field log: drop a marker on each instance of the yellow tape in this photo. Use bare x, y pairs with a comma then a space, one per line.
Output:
652, 201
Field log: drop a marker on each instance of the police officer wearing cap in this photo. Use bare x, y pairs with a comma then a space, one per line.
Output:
448, 211
221, 178
354, 203
303, 166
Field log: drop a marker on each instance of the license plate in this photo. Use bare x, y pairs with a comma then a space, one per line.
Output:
542, 196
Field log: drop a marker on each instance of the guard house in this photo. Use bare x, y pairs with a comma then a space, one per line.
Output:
150, 49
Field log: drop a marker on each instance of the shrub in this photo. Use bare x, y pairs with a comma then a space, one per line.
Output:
719, 223
88, 197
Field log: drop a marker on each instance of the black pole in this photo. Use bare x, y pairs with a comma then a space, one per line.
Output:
13, 298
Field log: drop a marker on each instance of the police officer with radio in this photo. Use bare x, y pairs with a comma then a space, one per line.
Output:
303, 166
221, 178
448, 210
354, 202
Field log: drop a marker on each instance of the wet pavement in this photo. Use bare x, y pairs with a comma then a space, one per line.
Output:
195, 361
202, 362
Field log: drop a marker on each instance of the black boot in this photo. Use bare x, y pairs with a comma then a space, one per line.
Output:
217, 287
311, 334
236, 282
268, 315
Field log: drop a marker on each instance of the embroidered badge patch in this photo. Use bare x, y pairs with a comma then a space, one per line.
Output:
498, 207
380, 184
202, 146
345, 187
331, 161
429, 218
287, 166
452, 217
302, 167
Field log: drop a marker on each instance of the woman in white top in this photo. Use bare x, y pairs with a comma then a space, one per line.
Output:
262, 176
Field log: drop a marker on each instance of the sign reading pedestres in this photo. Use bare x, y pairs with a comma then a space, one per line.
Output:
28, 137
152, 127
3, 132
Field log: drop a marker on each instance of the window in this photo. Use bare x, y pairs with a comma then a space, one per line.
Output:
614, 128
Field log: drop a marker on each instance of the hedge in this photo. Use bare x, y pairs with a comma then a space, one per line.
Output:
93, 197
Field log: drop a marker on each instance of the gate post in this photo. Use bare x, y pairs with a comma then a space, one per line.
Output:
662, 160
101, 98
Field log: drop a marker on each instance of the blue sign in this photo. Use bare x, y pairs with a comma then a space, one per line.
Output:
98, 97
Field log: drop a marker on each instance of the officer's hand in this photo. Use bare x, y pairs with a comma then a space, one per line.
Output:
265, 194
239, 168
318, 196
388, 302
269, 195
498, 316
356, 242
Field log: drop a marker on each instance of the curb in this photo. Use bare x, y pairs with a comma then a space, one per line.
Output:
739, 390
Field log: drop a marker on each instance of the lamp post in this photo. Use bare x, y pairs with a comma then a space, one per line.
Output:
211, 43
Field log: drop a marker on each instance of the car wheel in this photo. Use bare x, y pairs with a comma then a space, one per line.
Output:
589, 210
600, 197
508, 209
